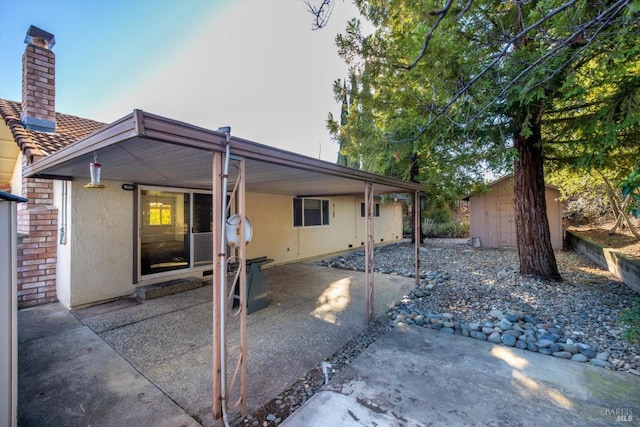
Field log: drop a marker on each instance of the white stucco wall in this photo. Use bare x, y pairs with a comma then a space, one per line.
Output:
63, 268
16, 178
96, 263
275, 236
100, 241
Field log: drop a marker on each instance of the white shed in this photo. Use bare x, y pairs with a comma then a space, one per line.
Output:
492, 215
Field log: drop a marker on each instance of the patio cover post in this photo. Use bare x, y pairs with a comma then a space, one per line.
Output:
417, 235
218, 193
368, 251
242, 254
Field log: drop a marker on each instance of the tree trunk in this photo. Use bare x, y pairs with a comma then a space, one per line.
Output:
532, 225
414, 171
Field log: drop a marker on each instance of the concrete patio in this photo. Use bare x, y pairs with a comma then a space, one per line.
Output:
149, 363
420, 377
132, 363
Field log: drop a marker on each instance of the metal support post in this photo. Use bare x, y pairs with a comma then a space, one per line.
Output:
368, 251
417, 234
239, 389
218, 193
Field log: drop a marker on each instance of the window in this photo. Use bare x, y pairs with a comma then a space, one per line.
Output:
310, 212
160, 214
376, 210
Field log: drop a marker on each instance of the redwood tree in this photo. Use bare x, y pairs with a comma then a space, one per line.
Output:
466, 87
533, 237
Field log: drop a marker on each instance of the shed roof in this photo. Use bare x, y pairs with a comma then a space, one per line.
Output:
145, 148
499, 181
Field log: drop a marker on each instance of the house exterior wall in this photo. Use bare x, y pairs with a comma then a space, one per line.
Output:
63, 270
96, 263
275, 236
492, 216
99, 253
16, 178
37, 259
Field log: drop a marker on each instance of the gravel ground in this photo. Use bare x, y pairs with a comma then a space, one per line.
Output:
479, 292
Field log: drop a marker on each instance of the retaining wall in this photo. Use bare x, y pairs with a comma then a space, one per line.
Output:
623, 267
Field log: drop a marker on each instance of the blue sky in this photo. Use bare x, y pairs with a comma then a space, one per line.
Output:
254, 65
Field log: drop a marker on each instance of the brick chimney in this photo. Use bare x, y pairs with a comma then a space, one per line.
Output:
39, 81
38, 218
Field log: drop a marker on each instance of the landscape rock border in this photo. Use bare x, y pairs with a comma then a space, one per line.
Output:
527, 330
515, 329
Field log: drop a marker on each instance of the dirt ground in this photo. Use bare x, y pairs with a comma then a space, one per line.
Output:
599, 230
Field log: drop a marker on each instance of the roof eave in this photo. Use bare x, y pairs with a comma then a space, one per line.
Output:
155, 127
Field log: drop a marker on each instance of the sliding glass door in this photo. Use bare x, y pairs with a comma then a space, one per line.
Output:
175, 230
202, 229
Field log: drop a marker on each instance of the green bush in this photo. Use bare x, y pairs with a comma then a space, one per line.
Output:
631, 317
449, 229
440, 215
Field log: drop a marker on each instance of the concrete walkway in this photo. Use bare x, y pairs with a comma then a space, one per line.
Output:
420, 377
68, 376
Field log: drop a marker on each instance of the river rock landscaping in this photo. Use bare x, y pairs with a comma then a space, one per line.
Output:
479, 293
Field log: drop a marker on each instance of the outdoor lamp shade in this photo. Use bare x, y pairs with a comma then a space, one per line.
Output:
95, 169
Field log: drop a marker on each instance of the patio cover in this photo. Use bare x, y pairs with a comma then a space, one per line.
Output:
148, 149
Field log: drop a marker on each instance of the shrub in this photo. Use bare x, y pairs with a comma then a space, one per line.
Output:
449, 229
631, 317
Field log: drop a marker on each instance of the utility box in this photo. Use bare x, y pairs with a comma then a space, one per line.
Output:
8, 309
256, 285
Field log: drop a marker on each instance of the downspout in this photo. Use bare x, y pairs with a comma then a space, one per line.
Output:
223, 274
63, 215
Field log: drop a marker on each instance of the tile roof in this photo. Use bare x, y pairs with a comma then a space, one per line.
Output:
69, 129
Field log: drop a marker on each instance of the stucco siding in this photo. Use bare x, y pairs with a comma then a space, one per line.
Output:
96, 262
275, 236
63, 268
100, 243
16, 178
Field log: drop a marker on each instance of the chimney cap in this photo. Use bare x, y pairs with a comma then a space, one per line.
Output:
40, 37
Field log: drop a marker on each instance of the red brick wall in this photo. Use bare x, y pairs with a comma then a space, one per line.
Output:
39, 83
37, 253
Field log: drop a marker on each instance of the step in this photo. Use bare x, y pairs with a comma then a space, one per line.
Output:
168, 288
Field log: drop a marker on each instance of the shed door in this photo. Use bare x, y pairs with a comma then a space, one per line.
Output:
506, 225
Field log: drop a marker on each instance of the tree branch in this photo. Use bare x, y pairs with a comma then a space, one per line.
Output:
441, 14
321, 13
603, 18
